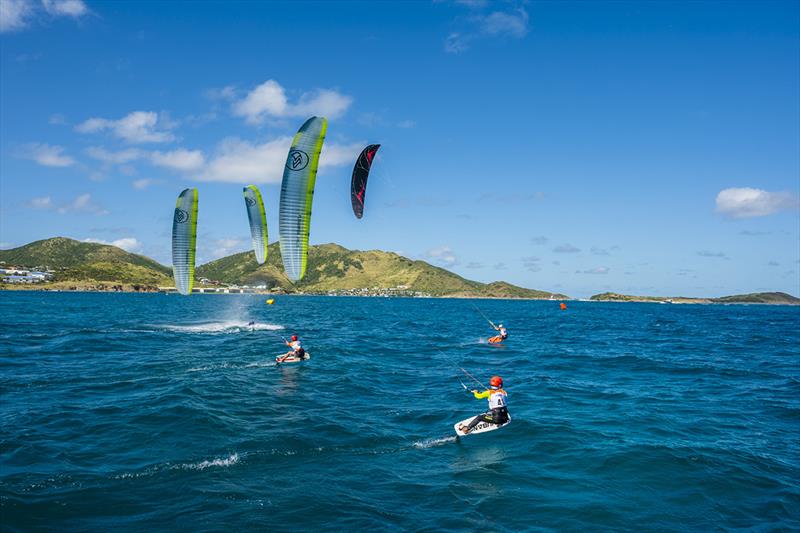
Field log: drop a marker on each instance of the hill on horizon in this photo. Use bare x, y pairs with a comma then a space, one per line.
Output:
777, 298
331, 267
76, 261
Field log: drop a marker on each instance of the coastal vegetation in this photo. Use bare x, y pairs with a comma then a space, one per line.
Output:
331, 269
780, 298
80, 265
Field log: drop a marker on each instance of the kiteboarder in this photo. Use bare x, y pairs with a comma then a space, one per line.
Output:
503, 334
296, 350
498, 405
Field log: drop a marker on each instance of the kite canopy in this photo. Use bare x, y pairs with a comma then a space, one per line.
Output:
358, 186
184, 240
297, 193
258, 222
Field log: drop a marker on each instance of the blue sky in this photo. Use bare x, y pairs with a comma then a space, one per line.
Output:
649, 148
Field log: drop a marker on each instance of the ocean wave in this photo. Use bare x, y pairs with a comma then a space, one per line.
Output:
222, 462
231, 460
220, 327
260, 364
232, 366
432, 443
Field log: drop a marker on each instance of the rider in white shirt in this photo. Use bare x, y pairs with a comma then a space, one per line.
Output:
296, 349
498, 405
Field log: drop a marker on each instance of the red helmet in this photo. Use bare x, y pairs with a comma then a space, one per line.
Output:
294, 337
496, 381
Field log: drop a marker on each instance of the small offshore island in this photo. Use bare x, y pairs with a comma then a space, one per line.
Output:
63, 264
772, 298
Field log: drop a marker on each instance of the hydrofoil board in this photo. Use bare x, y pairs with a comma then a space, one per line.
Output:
279, 359
482, 427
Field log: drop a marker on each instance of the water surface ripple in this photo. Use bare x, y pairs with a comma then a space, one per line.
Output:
154, 412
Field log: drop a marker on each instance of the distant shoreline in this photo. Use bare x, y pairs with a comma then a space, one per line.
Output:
30, 288
653, 300
67, 265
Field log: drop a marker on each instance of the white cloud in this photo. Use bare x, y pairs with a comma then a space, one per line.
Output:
335, 155
456, 42
222, 93
540, 240
15, 14
129, 244
566, 249
514, 24
443, 255
136, 127
42, 202
181, 159
599, 251
47, 155
238, 161
81, 204
228, 246
18, 14
708, 253
57, 119
143, 183
201, 119
66, 8
269, 100
597, 270
406, 124
747, 202
117, 158
532, 263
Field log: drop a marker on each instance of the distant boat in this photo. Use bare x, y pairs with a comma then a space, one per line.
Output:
667, 301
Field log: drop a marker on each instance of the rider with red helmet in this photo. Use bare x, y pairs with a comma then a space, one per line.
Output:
296, 349
498, 405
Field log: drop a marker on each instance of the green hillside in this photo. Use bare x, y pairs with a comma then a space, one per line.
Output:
753, 298
332, 267
91, 266
760, 298
75, 261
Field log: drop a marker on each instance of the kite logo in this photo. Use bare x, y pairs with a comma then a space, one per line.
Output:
181, 216
298, 160
249, 201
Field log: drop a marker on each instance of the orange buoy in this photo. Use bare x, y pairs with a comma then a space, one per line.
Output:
563, 306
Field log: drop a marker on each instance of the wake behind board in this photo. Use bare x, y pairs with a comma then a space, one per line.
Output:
292, 359
482, 427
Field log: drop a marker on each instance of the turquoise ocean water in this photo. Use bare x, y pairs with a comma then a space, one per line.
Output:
154, 412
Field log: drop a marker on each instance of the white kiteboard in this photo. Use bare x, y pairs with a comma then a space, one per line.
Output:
482, 427
292, 359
